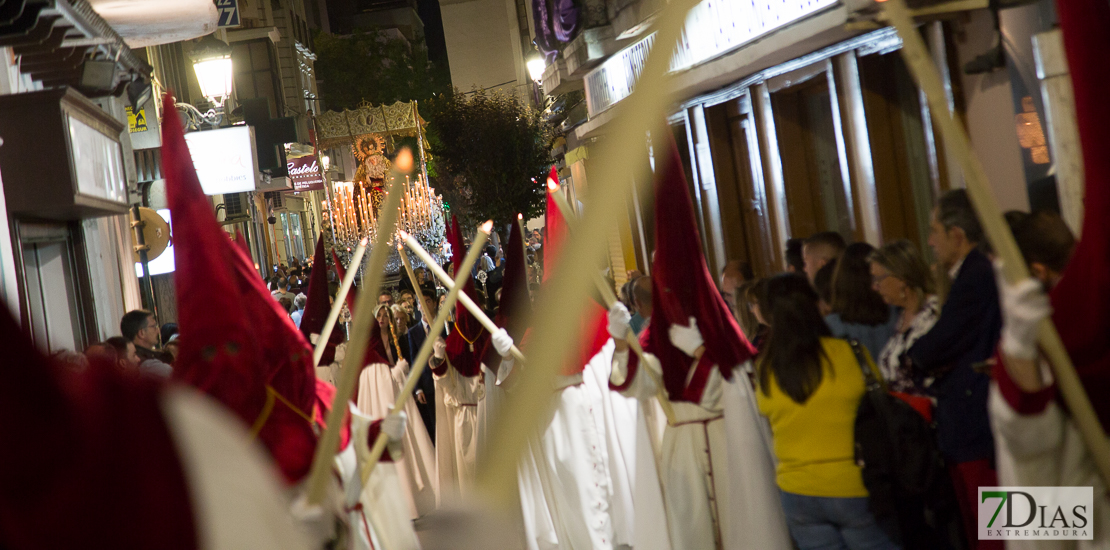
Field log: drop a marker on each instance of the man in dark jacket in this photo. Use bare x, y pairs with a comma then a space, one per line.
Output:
964, 336
140, 328
425, 392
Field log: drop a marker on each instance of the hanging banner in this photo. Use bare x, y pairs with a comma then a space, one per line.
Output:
305, 173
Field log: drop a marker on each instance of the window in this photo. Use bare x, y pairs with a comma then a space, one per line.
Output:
255, 76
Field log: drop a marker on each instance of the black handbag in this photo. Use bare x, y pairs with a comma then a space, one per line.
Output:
903, 470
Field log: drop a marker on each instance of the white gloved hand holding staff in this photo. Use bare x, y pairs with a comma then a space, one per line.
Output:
686, 338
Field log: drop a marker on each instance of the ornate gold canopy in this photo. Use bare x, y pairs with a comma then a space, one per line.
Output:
337, 128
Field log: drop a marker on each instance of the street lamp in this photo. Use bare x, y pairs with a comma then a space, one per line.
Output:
536, 65
212, 63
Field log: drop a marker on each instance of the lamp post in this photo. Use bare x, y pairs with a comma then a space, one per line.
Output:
211, 59
536, 66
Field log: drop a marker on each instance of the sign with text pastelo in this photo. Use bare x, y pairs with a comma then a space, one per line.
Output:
305, 173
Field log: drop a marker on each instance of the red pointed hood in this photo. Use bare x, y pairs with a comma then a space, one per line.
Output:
287, 359
594, 327
515, 303
325, 395
683, 287
352, 293
468, 339
91, 462
1082, 297
318, 306
218, 354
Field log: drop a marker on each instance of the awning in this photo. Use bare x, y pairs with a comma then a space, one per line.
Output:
144, 23
54, 38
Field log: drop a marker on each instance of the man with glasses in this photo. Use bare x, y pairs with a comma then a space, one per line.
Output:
140, 328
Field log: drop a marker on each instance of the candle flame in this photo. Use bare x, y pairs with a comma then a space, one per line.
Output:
364, 241
520, 217
552, 186
404, 234
487, 227
404, 161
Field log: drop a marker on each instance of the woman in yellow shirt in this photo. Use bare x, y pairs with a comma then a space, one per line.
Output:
810, 386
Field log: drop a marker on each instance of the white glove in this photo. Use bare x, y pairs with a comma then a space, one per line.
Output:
502, 342
688, 339
394, 426
439, 348
619, 319
1024, 305
314, 520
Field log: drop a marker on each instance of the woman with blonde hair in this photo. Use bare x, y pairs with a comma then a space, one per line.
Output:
402, 318
379, 384
900, 275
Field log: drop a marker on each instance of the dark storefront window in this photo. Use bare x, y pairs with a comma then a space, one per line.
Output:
256, 74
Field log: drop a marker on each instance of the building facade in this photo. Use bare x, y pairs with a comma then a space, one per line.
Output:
80, 88
67, 165
489, 43
798, 117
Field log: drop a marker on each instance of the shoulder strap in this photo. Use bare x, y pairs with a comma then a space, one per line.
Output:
870, 378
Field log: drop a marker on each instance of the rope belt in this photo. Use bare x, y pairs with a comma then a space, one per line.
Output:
365, 522
272, 396
703, 422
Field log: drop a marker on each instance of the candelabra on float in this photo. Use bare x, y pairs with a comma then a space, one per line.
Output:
354, 213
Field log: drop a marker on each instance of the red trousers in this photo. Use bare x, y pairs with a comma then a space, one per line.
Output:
967, 477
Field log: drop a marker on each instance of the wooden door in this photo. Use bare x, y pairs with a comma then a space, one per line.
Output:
900, 150
811, 163
745, 219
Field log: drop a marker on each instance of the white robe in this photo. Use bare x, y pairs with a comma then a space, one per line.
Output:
237, 499
718, 469
378, 387
377, 516
617, 418
458, 399
489, 408
1046, 449
565, 486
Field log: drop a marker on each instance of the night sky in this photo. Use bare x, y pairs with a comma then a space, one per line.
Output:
341, 12
433, 31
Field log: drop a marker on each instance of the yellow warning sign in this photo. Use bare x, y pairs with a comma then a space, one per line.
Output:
136, 122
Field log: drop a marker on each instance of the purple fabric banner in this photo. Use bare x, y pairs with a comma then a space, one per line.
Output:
565, 20
555, 23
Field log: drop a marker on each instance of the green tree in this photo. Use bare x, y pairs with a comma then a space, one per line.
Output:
371, 66
492, 155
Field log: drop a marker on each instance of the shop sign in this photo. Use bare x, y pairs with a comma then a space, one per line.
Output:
305, 173
224, 159
136, 121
